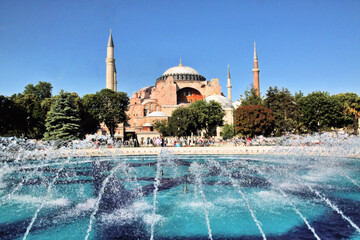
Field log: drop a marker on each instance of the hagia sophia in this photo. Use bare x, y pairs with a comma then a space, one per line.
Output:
177, 86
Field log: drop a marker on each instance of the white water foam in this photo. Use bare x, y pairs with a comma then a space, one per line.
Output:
140, 209
29, 199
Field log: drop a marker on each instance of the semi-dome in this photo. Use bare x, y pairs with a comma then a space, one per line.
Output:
182, 73
157, 114
225, 103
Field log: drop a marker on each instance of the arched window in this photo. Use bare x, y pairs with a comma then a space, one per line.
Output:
146, 110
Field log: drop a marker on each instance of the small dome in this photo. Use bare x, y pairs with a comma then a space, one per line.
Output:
147, 124
225, 103
157, 114
236, 104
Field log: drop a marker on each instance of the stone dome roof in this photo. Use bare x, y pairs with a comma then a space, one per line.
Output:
182, 73
225, 103
157, 114
236, 104
147, 124
181, 70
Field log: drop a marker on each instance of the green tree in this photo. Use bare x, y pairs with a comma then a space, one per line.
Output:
35, 115
63, 121
320, 111
12, 118
350, 103
108, 107
182, 122
31, 101
207, 116
284, 109
251, 97
254, 120
298, 95
162, 127
228, 131
42, 90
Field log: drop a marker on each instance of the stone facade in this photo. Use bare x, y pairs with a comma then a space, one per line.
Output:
178, 86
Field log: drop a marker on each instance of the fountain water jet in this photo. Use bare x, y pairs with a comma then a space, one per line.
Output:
237, 186
195, 169
335, 208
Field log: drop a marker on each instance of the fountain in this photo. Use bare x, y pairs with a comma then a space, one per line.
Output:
305, 188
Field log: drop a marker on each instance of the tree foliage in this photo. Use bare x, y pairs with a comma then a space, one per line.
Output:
320, 111
350, 103
182, 122
251, 97
63, 120
108, 107
12, 118
254, 120
228, 131
207, 116
284, 109
31, 109
162, 127
42, 90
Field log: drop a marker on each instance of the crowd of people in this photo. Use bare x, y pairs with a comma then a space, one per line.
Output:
160, 142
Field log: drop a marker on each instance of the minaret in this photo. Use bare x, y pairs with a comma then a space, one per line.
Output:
256, 71
229, 84
115, 80
110, 65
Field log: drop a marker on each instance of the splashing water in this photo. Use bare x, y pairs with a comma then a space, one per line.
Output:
196, 170
297, 177
335, 208
156, 188
96, 207
237, 186
44, 199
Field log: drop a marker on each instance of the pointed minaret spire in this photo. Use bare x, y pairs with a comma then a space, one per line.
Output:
180, 62
256, 71
110, 65
110, 42
229, 84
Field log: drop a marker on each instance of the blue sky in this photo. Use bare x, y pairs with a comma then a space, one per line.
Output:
302, 45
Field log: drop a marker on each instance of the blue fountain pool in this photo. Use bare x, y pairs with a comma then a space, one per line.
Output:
181, 197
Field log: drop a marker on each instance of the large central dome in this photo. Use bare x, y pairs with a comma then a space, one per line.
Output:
181, 70
182, 73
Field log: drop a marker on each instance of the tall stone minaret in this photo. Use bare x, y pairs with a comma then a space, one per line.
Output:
115, 80
110, 65
256, 71
229, 84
